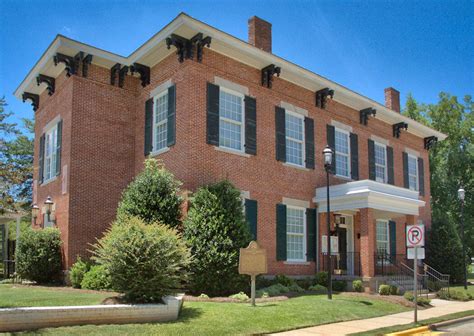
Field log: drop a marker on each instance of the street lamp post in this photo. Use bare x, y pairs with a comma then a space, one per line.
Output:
327, 152
461, 195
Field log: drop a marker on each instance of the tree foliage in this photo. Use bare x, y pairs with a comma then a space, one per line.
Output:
154, 196
215, 230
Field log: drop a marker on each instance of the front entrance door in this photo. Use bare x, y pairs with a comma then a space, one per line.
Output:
346, 245
342, 257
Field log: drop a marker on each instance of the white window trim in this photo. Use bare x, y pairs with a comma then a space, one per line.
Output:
156, 151
50, 129
305, 257
386, 163
417, 187
385, 221
303, 148
349, 172
242, 123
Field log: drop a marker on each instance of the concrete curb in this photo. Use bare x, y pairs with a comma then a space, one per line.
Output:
435, 326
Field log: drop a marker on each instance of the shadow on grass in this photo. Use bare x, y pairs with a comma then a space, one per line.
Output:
362, 302
187, 315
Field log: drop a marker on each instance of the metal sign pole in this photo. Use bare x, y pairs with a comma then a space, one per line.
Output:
415, 285
252, 290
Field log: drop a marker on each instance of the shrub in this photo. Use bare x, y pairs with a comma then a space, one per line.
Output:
154, 196
318, 289
262, 282
305, 283
393, 290
77, 271
295, 288
240, 296
284, 280
457, 295
339, 285
322, 279
215, 229
358, 286
39, 255
384, 290
97, 278
421, 300
145, 261
204, 296
275, 290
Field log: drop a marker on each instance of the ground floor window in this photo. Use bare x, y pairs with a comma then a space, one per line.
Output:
295, 234
382, 237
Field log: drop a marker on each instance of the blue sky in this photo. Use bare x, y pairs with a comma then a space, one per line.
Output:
422, 47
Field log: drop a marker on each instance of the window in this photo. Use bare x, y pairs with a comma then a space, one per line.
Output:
231, 120
294, 133
380, 163
47, 223
412, 172
160, 121
50, 153
382, 238
295, 234
342, 153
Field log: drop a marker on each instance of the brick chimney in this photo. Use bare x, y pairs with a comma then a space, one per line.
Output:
392, 99
260, 34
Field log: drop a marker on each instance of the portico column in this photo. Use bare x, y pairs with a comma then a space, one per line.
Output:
367, 242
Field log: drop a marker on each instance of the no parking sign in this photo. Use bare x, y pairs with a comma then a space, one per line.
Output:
415, 235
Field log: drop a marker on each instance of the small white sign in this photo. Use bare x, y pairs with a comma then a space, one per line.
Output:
415, 235
420, 253
334, 244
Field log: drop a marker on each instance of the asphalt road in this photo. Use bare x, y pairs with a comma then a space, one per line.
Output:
463, 328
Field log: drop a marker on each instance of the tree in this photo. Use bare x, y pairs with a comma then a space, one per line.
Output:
154, 196
215, 229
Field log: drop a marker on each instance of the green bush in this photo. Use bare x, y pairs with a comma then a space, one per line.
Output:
295, 288
262, 282
321, 278
39, 255
284, 280
240, 296
145, 261
215, 229
77, 271
357, 286
203, 296
318, 289
384, 290
421, 300
275, 290
339, 285
154, 196
457, 295
97, 278
305, 283
394, 290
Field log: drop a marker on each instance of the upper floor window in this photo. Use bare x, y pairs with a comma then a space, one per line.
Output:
50, 153
294, 134
380, 162
231, 119
412, 172
295, 233
160, 121
342, 146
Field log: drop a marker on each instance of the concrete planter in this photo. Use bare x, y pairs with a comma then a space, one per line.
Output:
28, 318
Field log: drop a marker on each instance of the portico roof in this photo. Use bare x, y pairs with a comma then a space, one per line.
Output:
389, 201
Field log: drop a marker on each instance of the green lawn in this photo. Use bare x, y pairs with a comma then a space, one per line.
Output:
470, 289
206, 318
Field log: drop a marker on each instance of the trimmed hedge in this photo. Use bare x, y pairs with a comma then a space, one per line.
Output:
97, 278
77, 272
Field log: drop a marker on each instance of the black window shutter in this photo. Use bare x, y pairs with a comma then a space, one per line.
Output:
251, 207
212, 114
171, 122
58, 148
309, 142
148, 126
311, 234
371, 160
421, 176
281, 231
390, 171
354, 156
392, 228
406, 182
331, 139
41, 159
280, 134
250, 125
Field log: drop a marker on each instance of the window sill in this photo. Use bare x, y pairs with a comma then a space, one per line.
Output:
158, 152
231, 151
50, 180
286, 164
342, 177
297, 263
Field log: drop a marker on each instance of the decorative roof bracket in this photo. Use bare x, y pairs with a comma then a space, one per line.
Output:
365, 113
117, 69
69, 61
430, 142
185, 47
122, 73
84, 61
200, 43
321, 97
267, 75
49, 81
113, 73
398, 127
34, 99
143, 71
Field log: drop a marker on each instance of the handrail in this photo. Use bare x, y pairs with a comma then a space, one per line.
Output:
429, 269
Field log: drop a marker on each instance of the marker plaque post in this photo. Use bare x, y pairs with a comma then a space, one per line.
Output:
415, 235
253, 261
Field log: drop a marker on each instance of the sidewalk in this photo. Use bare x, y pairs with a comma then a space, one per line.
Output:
441, 307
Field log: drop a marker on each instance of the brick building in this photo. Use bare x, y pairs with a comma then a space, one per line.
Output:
212, 106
